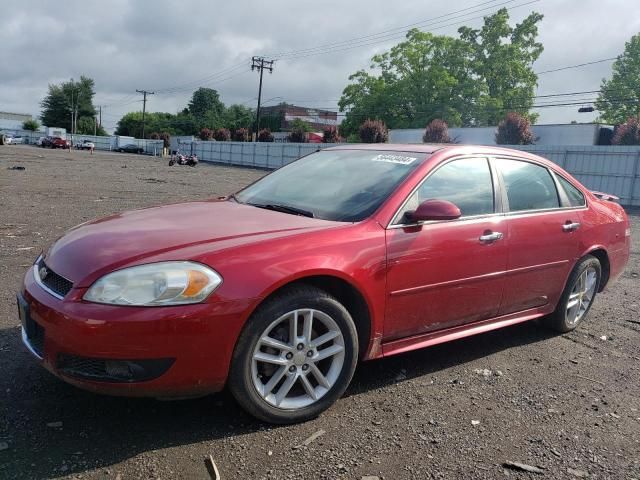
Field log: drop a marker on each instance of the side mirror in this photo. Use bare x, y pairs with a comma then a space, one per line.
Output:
435, 210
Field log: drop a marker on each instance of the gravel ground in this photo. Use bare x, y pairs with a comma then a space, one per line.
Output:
568, 405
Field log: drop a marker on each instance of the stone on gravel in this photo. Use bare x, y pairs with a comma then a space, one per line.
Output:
577, 473
310, 439
522, 467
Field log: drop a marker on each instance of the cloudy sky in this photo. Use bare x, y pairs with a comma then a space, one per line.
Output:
174, 47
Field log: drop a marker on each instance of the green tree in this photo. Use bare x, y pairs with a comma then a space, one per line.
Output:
299, 124
425, 77
60, 99
619, 97
206, 108
31, 124
471, 80
238, 116
502, 60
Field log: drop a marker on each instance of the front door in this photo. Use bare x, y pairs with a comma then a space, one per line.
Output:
444, 274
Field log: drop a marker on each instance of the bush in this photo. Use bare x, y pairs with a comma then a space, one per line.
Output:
241, 135
221, 134
437, 132
627, 133
206, 134
265, 135
164, 136
330, 135
298, 135
514, 130
31, 125
373, 131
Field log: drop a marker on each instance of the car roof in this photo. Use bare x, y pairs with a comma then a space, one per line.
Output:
447, 149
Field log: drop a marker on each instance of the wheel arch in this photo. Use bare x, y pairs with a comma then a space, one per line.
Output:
603, 257
345, 291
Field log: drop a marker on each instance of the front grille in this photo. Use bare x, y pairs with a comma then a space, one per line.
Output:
108, 370
50, 279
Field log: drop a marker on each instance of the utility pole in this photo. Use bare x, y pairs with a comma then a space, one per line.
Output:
100, 122
260, 63
144, 105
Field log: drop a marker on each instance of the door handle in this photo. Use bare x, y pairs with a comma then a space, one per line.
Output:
570, 227
490, 237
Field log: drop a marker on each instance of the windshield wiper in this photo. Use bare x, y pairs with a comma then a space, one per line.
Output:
284, 208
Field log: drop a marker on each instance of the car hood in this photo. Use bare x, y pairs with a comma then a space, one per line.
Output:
178, 232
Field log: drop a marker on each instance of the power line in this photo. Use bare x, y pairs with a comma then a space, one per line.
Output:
577, 66
402, 28
386, 38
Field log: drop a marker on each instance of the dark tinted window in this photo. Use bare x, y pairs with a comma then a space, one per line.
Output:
466, 183
342, 185
529, 186
576, 198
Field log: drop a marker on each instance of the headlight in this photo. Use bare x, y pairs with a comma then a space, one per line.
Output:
155, 284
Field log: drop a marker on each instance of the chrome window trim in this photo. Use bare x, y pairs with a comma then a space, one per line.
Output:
550, 171
25, 341
394, 218
36, 276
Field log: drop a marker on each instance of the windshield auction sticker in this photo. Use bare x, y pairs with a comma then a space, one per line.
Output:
394, 159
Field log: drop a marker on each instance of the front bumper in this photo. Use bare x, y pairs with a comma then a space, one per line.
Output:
198, 339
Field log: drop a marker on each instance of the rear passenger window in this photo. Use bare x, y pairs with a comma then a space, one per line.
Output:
575, 196
529, 186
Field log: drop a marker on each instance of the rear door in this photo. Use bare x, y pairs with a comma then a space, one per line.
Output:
447, 273
543, 231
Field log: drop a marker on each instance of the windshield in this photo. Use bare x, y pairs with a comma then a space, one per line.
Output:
339, 185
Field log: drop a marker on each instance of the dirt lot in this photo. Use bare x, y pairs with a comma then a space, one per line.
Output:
569, 405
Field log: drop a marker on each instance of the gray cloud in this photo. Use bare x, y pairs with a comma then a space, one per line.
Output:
124, 45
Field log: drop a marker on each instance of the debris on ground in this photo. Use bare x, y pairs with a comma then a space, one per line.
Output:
475, 422
308, 441
522, 467
16, 167
603, 337
212, 468
577, 473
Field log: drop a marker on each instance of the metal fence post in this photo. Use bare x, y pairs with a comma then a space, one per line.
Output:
634, 179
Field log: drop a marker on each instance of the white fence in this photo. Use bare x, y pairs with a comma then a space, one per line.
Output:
151, 147
253, 154
610, 169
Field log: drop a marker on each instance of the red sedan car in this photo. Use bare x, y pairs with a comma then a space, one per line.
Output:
351, 253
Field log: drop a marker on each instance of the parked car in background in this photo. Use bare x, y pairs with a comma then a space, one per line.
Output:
130, 148
40, 141
349, 254
86, 145
11, 139
57, 142
46, 142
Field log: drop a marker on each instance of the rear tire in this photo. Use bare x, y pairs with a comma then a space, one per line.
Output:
311, 368
577, 297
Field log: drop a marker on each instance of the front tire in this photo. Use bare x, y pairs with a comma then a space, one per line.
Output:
295, 356
577, 297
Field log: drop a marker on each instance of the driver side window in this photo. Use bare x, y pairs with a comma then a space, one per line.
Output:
466, 182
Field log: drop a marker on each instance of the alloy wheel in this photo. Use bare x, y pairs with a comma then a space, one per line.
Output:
297, 359
581, 296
